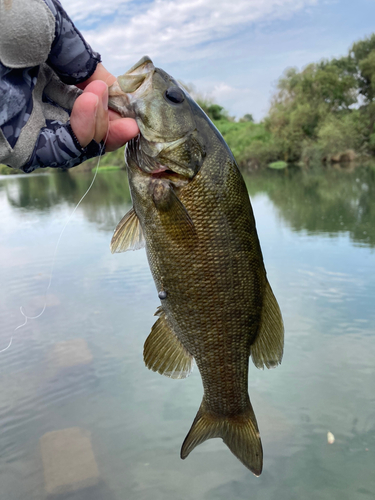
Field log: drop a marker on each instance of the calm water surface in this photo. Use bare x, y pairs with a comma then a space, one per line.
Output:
79, 366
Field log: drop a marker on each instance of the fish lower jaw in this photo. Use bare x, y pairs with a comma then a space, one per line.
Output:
163, 172
159, 170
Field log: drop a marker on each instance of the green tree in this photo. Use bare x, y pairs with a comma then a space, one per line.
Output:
362, 56
213, 110
339, 133
247, 118
317, 108
304, 99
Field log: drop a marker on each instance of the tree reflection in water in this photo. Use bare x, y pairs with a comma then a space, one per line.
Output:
324, 200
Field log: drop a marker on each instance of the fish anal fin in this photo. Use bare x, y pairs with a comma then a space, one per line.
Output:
239, 432
268, 347
163, 351
128, 234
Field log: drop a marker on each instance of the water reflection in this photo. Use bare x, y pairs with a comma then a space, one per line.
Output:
315, 473
80, 365
104, 204
322, 201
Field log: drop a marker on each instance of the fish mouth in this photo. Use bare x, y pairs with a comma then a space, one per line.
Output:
176, 179
129, 86
144, 65
165, 173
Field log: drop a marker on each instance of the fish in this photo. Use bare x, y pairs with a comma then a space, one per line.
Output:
192, 212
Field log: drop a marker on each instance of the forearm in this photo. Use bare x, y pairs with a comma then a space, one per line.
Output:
57, 147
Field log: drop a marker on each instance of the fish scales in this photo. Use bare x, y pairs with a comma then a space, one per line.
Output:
220, 301
205, 257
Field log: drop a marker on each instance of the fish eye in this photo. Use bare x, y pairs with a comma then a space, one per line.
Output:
175, 95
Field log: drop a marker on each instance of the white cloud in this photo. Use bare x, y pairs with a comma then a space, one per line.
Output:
206, 42
174, 30
239, 100
86, 10
223, 89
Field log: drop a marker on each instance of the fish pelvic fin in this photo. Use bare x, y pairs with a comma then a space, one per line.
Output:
163, 351
239, 432
268, 347
128, 234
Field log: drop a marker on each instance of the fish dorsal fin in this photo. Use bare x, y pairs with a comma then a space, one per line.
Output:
163, 351
268, 347
128, 234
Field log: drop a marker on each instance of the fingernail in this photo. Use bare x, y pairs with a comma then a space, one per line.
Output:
96, 106
105, 100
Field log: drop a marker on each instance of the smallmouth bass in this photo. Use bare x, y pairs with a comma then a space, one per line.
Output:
191, 210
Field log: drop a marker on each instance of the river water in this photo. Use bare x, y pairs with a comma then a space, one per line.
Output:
81, 418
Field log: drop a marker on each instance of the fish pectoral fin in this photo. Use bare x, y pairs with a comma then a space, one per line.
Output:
268, 347
181, 216
128, 234
175, 217
163, 351
239, 432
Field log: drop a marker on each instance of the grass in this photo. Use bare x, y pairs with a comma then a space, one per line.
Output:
5, 170
278, 165
109, 168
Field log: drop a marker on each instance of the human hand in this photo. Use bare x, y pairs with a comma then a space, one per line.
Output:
90, 118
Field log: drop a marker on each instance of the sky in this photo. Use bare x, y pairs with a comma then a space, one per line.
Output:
232, 51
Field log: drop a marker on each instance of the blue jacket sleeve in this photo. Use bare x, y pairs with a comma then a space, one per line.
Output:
71, 57
57, 146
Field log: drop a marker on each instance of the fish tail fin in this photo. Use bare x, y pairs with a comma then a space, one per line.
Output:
239, 432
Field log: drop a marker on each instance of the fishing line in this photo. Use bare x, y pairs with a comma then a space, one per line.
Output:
26, 317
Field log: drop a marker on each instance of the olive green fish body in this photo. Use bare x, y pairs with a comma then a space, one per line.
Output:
214, 279
206, 261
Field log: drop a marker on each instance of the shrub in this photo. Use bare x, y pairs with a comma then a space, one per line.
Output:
339, 133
